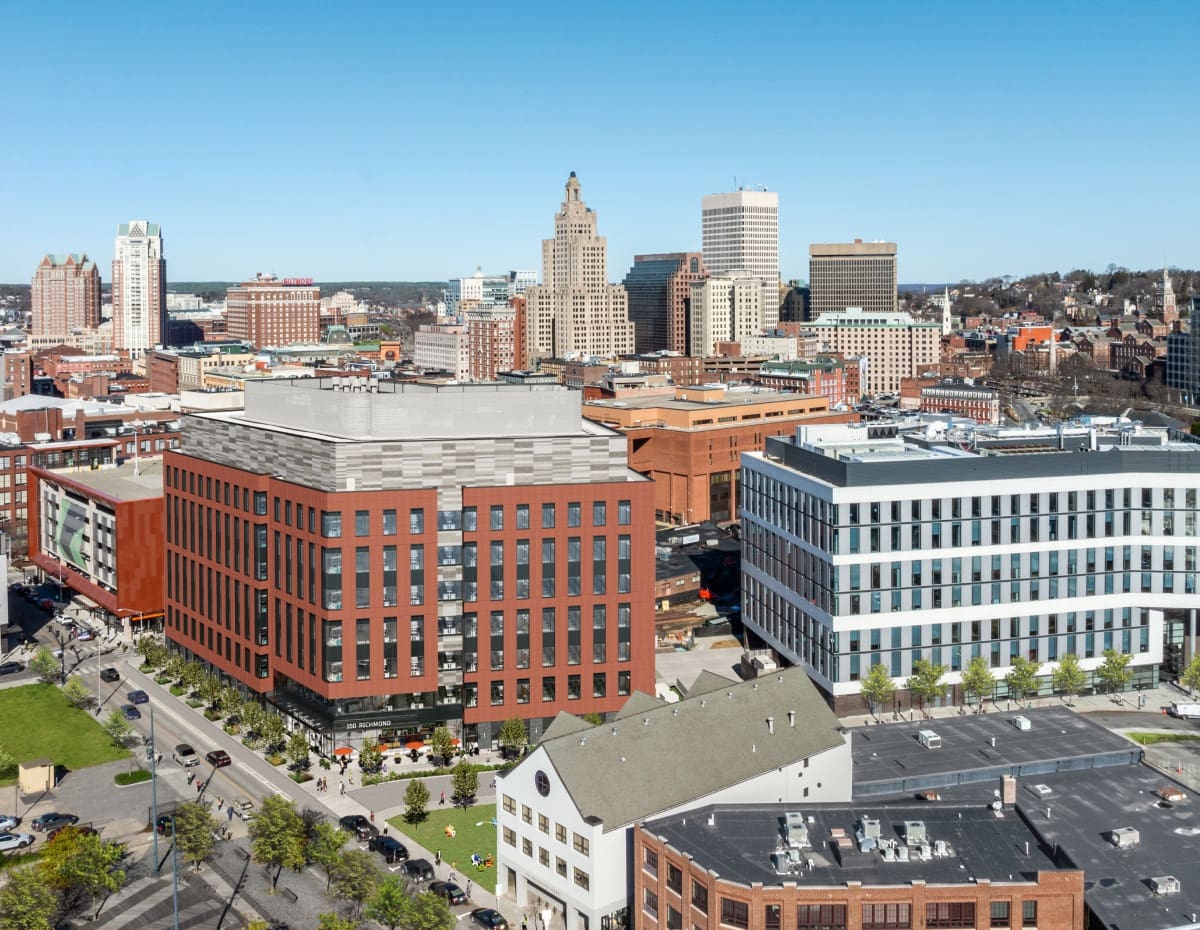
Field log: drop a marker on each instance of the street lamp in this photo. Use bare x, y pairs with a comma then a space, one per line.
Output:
62, 654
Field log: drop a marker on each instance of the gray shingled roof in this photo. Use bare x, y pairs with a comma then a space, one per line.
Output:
644, 764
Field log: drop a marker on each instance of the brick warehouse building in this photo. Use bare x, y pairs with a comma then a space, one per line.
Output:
523, 538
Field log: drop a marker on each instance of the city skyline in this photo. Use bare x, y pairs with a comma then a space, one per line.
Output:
983, 141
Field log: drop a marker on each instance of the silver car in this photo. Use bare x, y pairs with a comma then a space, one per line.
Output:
8, 822
10, 842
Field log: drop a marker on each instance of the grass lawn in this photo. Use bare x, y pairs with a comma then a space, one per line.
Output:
469, 838
1148, 739
37, 721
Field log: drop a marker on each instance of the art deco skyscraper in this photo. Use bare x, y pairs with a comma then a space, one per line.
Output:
575, 310
65, 295
741, 233
139, 288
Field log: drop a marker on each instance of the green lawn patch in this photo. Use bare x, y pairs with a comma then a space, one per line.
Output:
13, 860
124, 779
474, 833
36, 721
1149, 739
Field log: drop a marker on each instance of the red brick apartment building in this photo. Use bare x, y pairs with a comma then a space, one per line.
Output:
380, 559
270, 311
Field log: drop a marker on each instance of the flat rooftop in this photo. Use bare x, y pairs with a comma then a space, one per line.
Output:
889, 759
121, 483
736, 842
1086, 806
737, 398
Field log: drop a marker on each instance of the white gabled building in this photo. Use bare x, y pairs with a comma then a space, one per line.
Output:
565, 814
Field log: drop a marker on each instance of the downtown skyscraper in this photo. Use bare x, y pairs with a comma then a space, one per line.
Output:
65, 295
740, 232
139, 288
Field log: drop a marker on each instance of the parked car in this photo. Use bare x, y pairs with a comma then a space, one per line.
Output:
110, 675
490, 918
185, 755
8, 823
355, 823
131, 712
419, 870
48, 821
389, 847
218, 758
138, 697
13, 841
450, 891
244, 809
83, 831
11, 668
84, 635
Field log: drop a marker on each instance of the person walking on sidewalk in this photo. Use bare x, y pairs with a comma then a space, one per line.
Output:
442, 799
343, 789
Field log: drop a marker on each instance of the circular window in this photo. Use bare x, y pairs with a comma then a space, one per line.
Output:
542, 781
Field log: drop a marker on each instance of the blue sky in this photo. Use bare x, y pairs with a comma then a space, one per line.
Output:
416, 141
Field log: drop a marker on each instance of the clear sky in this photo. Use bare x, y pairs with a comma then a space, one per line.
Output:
408, 140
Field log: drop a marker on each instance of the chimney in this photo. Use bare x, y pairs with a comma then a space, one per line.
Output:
771, 725
1008, 789
791, 718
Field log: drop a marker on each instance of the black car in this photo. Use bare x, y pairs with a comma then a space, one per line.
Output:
357, 824
450, 891
390, 848
131, 712
53, 820
110, 675
138, 697
10, 668
419, 870
490, 918
218, 758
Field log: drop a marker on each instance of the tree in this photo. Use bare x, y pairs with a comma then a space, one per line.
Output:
442, 744
512, 736
926, 683
175, 666
977, 680
593, 718
1190, 678
390, 904
355, 877
332, 921
118, 729
277, 836
7, 761
1114, 671
416, 801
194, 829
428, 911
26, 901
45, 666
324, 847
1022, 678
210, 689
230, 701
370, 759
192, 675
274, 733
253, 719
78, 694
1068, 679
297, 750
464, 782
877, 687
76, 862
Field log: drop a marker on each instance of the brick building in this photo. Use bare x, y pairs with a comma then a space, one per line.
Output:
823, 376
270, 311
485, 553
691, 443
65, 295
962, 398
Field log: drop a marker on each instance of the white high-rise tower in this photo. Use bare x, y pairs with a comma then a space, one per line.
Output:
741, 233
139, 288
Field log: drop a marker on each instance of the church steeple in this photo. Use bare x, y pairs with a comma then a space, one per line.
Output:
1170, 312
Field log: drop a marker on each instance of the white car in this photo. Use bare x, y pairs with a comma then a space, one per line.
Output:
12, 841
8, 822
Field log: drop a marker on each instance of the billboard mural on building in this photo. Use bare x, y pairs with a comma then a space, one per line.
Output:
72, 525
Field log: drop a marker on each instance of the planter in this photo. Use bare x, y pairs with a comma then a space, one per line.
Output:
128, 779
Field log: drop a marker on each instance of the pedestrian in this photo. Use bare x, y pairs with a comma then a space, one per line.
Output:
442, 799
372, 816
229, 812
451, 872
468, 888
546, 914
437, 857
199, 788
524, 922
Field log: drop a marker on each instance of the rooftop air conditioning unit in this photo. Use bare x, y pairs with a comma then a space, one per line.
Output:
1022, 723
1125, 837
1165, 884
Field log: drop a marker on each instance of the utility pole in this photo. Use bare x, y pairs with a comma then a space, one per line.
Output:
174, 872
154, 798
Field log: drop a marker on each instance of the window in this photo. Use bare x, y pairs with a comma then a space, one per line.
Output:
772, 917
543, 823
496, 518
581, 844
509, 805
560, 866
650, 902
650, 861
574, 513
543, 857
1029, 913
886, 916
522, 516
560, 833
389, 523
950, 914
362, 523
1000, 914
675, 878
510, 837
260, 502
527, 846
581, 878
599, 513
821, 917
526, 814
416, 521
674, 919
700, 897
624, 513
547, 516
470, 521
735, 913
331, 524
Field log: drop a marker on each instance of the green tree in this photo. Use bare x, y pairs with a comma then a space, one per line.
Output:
193, 674
593, 718
390, 904
174, 666
464, 782
194, 829
877, 687
332, 921
1068, 679
355, 877
1190, 678
8, 763
370, 759
297, 750
512, 738
76, 862
253, 719
210, 689
442, 744
1114, 671
118, 729
416, 801
1022, 678
45, 666
324, 847
78, 694
26, 901
145, 646
977, 680
274, 733
428, 911
277, 836
230, 701
925, 683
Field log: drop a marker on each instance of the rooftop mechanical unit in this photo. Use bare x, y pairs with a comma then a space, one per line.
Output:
795, 830
1165, 884
1022, 723
914, 832
929, 739
1125, 837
